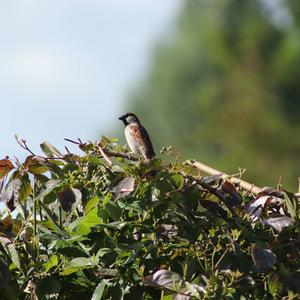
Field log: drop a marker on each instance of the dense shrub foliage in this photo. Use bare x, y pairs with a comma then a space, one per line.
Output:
104, 225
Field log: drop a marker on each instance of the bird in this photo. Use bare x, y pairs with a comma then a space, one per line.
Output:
137, 136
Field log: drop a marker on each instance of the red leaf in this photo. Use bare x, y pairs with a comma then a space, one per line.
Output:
35, 165
235, 197
5, 167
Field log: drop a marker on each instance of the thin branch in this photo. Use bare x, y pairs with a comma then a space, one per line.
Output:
104, 155
68, 151
17, 161
211, 189
106, 152
72, 141
120, 154
222, 256
23, 144
251, 188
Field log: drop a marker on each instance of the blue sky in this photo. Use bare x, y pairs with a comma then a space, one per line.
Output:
66, 65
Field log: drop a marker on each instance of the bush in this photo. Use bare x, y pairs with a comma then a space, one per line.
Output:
105, 225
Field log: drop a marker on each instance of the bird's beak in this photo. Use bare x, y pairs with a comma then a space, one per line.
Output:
122, 118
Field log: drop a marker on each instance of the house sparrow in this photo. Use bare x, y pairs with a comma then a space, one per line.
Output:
137, 136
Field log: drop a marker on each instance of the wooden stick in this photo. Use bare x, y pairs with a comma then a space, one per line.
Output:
251, 188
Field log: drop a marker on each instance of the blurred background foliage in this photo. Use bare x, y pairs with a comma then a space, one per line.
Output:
224, 88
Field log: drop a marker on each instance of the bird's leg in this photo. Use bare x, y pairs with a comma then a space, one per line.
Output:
131, 154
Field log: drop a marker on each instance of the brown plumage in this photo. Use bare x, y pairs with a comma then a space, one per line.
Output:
137, 136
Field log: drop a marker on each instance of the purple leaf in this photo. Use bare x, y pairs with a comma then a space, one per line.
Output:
124, 187
263, 258
278, 223
255, 208
174, 283
69, 198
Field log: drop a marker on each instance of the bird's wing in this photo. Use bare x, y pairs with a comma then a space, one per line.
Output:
150, 151
142, 136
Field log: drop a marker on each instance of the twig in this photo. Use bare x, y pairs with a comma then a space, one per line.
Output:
71, 141
104, 155
107, 153
17, 161
120, 154
222, 256
34, 218
206, 186
68, 151
23, 144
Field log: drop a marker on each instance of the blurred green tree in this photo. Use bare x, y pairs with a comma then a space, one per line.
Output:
224, 88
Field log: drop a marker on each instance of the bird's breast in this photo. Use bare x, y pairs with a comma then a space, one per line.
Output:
131, 140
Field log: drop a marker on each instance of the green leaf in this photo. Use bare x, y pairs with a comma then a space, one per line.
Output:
163, 187
98, 293
91, 204
50, 150
52, 262
114, 225
51, 219
48, 288
35, 164
274, 284
5, 274
22, 188
95, 161
191, 199
290, 279
113, 210
103, 215
80, 262
69, 270
75, 265
116, 292
84, 224
37, 169
291, 204
101, 252
49, 186
10, 249
178, 180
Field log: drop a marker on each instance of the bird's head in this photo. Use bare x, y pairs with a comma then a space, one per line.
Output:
129, 118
